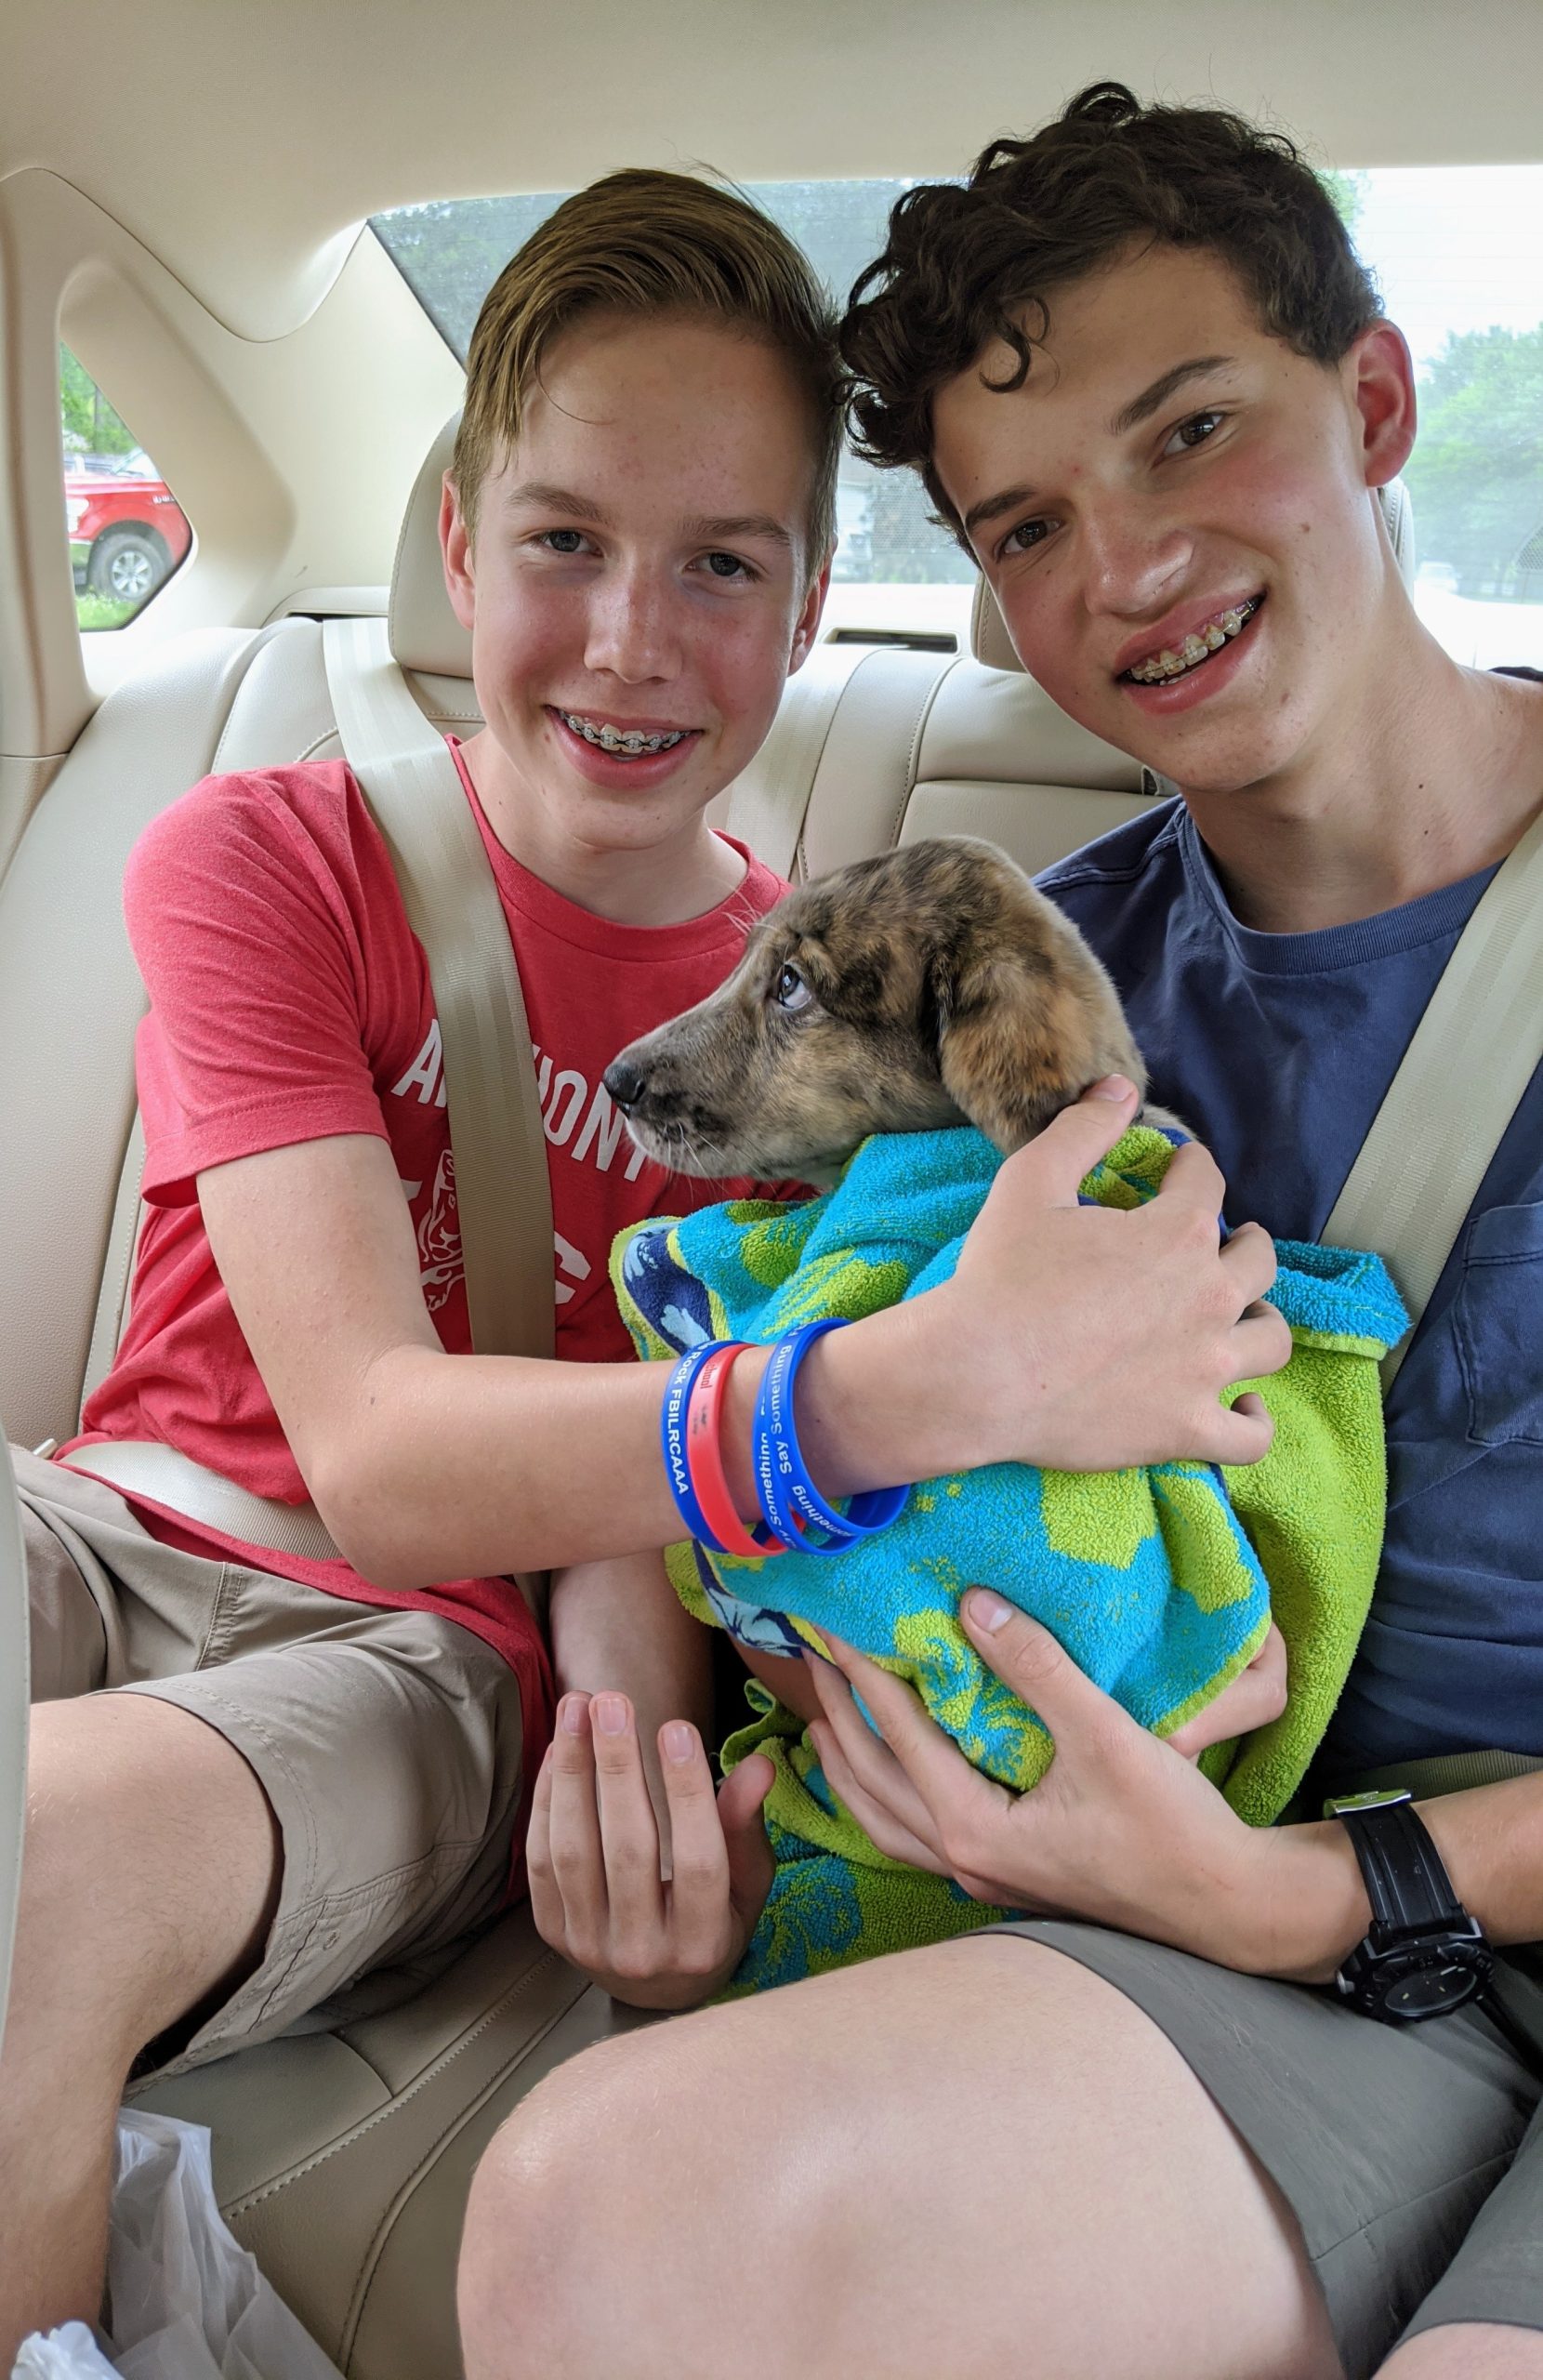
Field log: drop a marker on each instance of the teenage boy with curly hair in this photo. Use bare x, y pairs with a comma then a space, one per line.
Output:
1146, 380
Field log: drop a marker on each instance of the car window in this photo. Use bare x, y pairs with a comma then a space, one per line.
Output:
895, 570
128, 532
1457, 251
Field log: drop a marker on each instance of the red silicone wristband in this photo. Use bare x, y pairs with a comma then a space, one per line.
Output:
705, 1459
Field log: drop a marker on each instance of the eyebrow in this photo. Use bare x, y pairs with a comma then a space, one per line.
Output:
728, 528
992, 507
1130, 417
543, 497
1142, 407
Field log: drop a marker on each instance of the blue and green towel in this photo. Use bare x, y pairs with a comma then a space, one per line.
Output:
1160, 1582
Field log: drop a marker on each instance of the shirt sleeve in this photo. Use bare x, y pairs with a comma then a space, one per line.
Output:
249, 924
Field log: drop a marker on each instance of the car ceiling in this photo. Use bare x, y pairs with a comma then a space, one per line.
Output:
243, 141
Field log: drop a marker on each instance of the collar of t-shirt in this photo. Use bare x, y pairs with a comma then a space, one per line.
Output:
531, 897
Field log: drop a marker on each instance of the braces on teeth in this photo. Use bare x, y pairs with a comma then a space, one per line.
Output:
1176, 662
630, 740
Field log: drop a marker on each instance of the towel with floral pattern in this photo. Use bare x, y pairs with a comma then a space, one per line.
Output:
1160, 1581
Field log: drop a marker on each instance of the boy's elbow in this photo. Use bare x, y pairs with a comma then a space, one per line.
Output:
353, 1493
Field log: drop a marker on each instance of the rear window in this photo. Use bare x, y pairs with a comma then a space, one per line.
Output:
1458, 251
912, 574
128, 532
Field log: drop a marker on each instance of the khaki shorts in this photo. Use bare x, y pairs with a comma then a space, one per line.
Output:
387, 1743
1411, 2156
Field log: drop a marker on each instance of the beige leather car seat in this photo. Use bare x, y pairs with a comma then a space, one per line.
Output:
343, 2157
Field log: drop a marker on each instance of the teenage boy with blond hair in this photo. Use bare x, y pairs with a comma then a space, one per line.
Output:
255, 1778
1145, 378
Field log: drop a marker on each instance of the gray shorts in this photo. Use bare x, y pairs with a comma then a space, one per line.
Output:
1412, 2157
389, 1744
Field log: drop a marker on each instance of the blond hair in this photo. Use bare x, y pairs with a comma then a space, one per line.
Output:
648, 243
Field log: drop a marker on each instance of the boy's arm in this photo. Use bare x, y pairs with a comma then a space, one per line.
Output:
619, 1627
1078, 1338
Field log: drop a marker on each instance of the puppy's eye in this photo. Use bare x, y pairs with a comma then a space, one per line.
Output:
792, 993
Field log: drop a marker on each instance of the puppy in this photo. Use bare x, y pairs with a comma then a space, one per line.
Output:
933, 986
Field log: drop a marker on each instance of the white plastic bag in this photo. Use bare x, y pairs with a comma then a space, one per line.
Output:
187, 2303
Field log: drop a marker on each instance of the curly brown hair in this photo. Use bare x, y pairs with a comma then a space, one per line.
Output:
968, 264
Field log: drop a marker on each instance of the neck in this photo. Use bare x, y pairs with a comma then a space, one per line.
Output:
686, 872
1429, 772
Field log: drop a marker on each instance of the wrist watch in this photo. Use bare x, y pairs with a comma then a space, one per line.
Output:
1424, 1955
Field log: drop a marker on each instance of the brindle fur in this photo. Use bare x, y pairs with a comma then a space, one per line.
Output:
945, 990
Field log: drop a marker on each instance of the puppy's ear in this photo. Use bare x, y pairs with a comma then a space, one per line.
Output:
1027, 1019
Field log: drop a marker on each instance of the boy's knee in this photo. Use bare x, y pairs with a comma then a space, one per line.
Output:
530, 2247
578, 2201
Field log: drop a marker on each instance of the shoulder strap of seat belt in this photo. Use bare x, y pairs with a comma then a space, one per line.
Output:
769, 799
416, 799
1473, 1054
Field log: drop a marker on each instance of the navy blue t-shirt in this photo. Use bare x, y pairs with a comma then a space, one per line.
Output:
1278, 1049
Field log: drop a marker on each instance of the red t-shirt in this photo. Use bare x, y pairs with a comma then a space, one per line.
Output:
290, 1001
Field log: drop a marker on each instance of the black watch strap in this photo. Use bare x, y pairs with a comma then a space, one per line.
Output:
1406, 1880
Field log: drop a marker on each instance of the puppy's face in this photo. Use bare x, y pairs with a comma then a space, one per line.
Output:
933, 986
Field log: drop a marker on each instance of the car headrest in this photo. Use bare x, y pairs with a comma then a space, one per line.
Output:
424, 632
990, 643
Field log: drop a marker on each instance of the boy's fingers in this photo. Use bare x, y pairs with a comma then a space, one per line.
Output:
746, 1849
868, 1762
1261, 1344
578, 1865
895, 1840
1056, 1160
699, 1881
628, 1830
1243, 1436
1195, 1177
1249, 1257
545, 1899
1037, 1667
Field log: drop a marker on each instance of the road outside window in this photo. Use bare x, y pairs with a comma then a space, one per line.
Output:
1457, 251
128, 532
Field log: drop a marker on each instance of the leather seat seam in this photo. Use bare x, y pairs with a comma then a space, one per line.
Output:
912, 758
369, 2261
446, 2058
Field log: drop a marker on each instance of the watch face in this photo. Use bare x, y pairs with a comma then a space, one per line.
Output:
1431, 1991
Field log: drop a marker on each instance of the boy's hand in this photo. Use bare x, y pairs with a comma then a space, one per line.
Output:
1098, 1339
598, 1893
1255, 1697
1120, 1829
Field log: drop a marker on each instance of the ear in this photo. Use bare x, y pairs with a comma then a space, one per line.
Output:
1026, 1022
1381, 373
455, 549
808, 625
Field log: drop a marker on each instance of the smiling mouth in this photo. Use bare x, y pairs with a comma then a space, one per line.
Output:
1179, 661
622, 742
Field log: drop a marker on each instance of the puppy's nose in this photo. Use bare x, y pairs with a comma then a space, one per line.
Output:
626, 1080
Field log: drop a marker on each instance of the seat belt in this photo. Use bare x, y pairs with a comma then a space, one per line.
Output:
769, 799
499, 1148
1462, 1078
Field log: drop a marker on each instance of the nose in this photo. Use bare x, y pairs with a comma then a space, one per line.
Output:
625, 1082
632, 634
1134, 562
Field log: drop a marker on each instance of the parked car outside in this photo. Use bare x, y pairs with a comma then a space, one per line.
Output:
127, 532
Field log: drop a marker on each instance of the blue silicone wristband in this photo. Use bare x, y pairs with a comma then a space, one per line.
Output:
672, 1434
793, 1505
